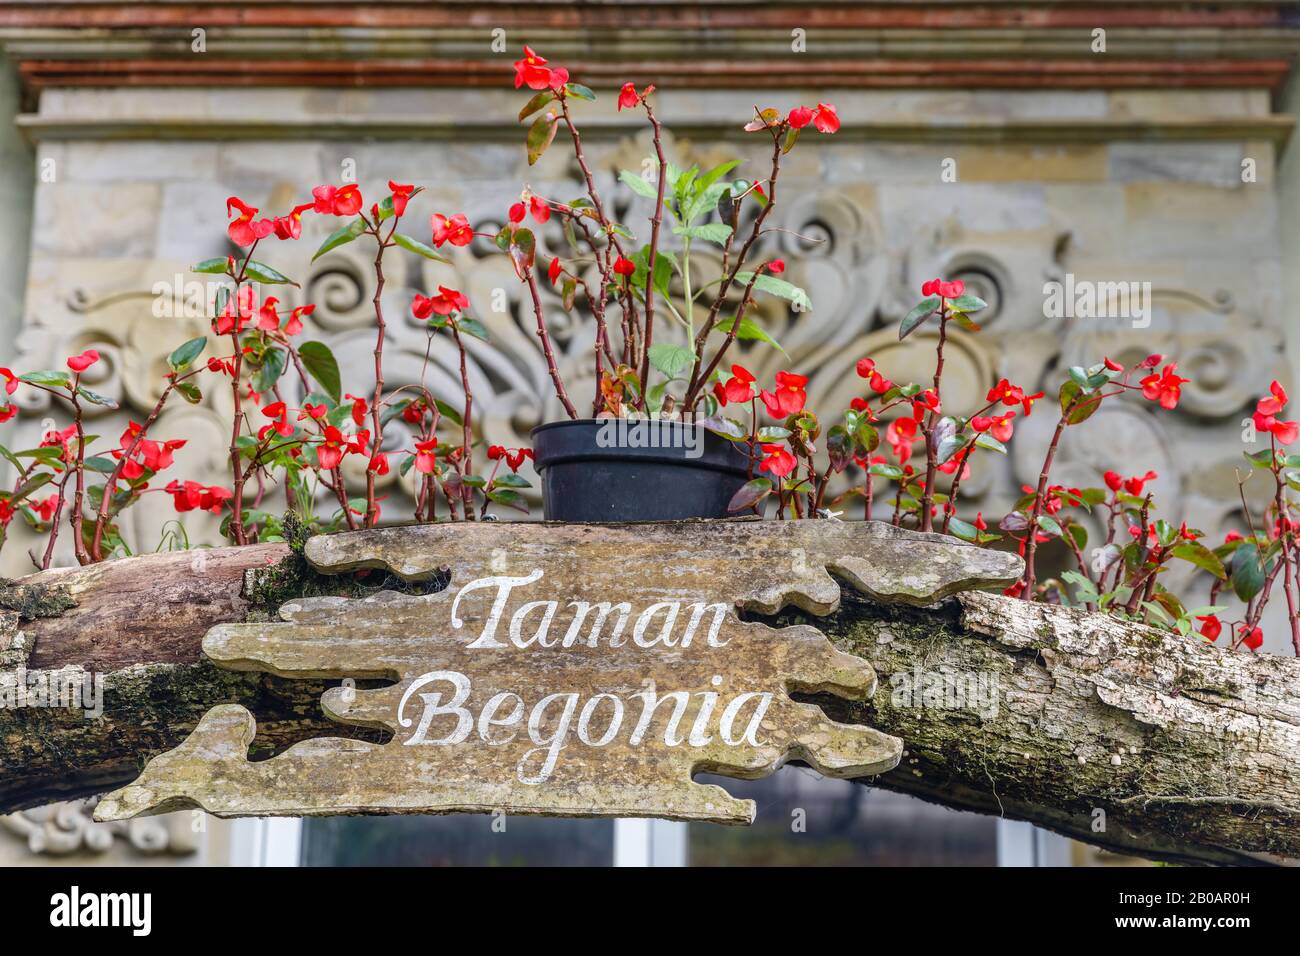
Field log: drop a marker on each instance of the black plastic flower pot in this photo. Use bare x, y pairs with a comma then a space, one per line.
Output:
635, 470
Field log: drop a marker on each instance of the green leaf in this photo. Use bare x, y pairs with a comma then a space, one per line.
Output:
967, 303
580, 91
323, 367
218, 266
963, 529
184, 356
50, 379
749, 331
523, 250
472, 327
190, 392
1083, 408
750, 494
509, 499
1201, 556
447, 412
540, 136
709, 232
985, 440
418, 247
535, 104
728, 428
340, 237
671, 360
101, 464
772, 433
779, 287
511, 480
639, 185
1247, 571
261, 272
272, 367
1050, 525
914, 319
95, 398
886, 470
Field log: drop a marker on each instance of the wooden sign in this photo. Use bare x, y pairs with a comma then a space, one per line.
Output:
566, 670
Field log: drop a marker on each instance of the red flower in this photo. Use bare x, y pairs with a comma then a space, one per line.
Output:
338, 200
790, 395
330, 452
157, 457
517, 212
554, 271
624, 267
945, 290
1113, 480
1165, 387
455, 230
290, 226
1113, 366
738, 388
778, 462
425, 459
267, 319
359, 409
776, 266
627, 97
1284, 432
531, 71
7, 412
827, 121
400, 196
445, 302
79, 363
900, 434
1009, 395
378, 463
1135, 484
926, 401
243, 231
1274, 402
237, 313
294, 325
980, 524
45, 509
1151, 361
192, 495
999, 426
800, 117
539, 208
1252, 639
11, 381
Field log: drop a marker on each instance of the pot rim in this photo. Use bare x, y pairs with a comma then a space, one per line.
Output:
647, 454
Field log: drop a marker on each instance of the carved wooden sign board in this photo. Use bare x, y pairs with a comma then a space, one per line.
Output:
565, 670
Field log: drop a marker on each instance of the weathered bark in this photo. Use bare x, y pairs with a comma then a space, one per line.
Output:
1187, 749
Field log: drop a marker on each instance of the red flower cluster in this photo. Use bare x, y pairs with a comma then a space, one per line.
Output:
532, 71
789, 397
1134, 485
455, 230
823, 117
191, 495
446, 302
1266, 412
514, 457
945, 290
1164, 386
